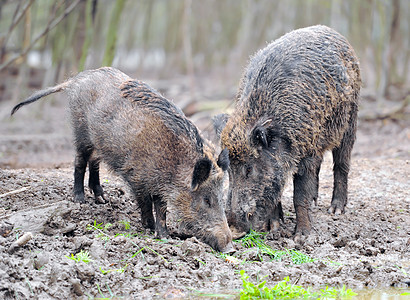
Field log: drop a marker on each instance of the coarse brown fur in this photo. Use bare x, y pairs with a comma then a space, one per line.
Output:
150, 143
297, 99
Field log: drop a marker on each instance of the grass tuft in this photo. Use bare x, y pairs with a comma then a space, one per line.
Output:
81, 256
286, 290
257, 239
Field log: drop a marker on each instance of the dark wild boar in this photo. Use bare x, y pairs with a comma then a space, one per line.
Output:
150, 143
297, 99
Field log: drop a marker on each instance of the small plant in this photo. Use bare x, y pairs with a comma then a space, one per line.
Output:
81, 256
120, 270
102, 229
103, 297
286, 290
146, 248
126, 224
253, 239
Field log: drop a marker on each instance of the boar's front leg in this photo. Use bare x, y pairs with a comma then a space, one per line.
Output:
94, 181
147, 218
305, 190
160, 217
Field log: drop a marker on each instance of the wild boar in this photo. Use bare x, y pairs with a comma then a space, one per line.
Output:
150, 143
297, 99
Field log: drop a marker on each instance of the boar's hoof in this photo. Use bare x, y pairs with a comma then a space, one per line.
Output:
228, 248
333, 209
301, 232
79, 198
299, 238
161, 233
100, 199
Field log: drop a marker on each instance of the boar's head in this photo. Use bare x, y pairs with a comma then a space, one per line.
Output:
259, 166
201, 208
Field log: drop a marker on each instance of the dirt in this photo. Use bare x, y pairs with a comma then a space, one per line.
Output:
367, 247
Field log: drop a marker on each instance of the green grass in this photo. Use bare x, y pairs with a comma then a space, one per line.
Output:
286, 290
146, 248
126, 224
120, 270
103, 230
257, 240
103, 297
81, 256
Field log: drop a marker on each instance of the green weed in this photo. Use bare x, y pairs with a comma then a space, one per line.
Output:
120, 270
142, 254
81, 256
257, 239
103, 297
126, 224
286, 290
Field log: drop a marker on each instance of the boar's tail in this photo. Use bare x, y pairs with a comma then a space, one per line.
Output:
40, 94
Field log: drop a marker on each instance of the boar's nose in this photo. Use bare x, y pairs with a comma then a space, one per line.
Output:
236, 234
228, 249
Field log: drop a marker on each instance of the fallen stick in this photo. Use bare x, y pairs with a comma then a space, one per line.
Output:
14, 192
20, 242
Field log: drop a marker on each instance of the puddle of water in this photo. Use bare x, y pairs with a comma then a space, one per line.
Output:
368, 294
383, 294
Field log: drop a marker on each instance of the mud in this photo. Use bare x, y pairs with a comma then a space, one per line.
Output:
368, 247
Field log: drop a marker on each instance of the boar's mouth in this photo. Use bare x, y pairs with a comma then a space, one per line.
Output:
236, 234
218, 237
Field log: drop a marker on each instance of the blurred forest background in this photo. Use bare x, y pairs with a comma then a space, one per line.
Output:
194, 48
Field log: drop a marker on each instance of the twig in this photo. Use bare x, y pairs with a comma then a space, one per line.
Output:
50, 26
20, 242
15, 20
14, 192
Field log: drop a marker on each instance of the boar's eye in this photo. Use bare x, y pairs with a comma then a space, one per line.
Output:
207, 200
248, 170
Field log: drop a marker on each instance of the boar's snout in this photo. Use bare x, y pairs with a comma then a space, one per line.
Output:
220, 238
228, 249
238, 227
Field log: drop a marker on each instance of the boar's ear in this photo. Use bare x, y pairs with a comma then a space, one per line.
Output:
259, 137
219, 122
201, 172
260, 134
223, 159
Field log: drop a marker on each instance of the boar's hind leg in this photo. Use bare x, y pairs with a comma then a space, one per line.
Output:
305, 191
94, 180
341, 165
316, 195
79, 170
160, 217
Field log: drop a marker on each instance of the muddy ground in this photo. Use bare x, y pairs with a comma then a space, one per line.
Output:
367, 247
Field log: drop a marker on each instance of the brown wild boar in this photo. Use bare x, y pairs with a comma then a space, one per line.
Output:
297, 99
150, 143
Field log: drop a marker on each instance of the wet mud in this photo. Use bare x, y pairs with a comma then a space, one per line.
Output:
367, 247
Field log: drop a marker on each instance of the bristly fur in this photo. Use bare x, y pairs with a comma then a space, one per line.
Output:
144, 95
310, 70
